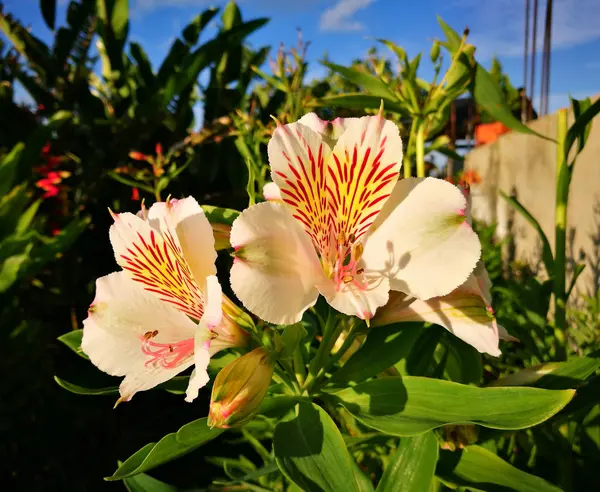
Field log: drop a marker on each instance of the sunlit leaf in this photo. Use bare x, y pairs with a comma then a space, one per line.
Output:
408, 406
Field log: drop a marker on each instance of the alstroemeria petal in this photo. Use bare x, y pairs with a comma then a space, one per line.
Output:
421, 240
462, 313
130, 333
362, 172
359, 297
212, 316
155, 260
271, 192
192, 232
276, 267
330, 131
297, 156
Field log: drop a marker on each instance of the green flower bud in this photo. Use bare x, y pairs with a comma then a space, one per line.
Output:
240, 388
435, 51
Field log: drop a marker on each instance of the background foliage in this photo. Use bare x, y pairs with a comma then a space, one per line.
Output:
105, 128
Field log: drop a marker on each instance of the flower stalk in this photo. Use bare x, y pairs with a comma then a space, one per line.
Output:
562, 197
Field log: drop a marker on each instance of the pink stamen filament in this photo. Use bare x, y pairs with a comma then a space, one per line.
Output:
350, 269
169, 355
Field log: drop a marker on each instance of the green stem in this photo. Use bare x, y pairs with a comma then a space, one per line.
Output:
560, 229
299, 367
331, 332
281, 377
406, 160
420, 150
256, 444
337, 356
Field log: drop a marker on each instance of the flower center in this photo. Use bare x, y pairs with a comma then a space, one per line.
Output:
168, 355
344, 266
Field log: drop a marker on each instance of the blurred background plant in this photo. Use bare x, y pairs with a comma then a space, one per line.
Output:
104, 128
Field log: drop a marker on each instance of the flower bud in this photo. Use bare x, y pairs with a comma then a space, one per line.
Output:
235, 315
138, 156
458, 436
240, 388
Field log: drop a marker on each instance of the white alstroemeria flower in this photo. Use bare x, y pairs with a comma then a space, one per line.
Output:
347, 229
153, 320
466, 311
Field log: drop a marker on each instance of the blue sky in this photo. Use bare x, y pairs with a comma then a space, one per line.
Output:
345, 28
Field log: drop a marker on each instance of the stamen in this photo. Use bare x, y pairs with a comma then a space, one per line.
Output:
168, 355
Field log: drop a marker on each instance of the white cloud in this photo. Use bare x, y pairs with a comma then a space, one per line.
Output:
498, 25
340, 17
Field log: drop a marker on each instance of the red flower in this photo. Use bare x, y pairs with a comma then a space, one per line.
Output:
138, 156
470, 177
135, 194
158, 149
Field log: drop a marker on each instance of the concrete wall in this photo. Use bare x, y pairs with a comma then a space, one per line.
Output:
526, 165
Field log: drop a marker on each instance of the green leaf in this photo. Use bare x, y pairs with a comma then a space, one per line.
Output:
412, 466
360, 101
209, 52
10, 270
464, 362
398, 51
477, 467
383, 347
289, 339
410, 405
553, 375
72, 340
143, 63
580, 127
24, 222
310, 452
130, 182
453, 40
365, 80
8, 168
220, 215
578, 107
192, 31
488, 95
362, 481
80, 390
146, 483
547, 257
272, 81
48, 8
191, 436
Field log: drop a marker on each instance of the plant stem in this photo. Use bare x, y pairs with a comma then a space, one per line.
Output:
331, 332
256, 444
406, 159
560, 229
420, 149
299, 367
280, 376
338, 355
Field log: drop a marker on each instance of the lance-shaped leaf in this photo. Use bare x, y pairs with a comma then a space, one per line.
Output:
170, 447
361, 101
485, 90
411, 467
410, 405
547, 256
311, 452
365, 80
477, 468
384, 347
553, 375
